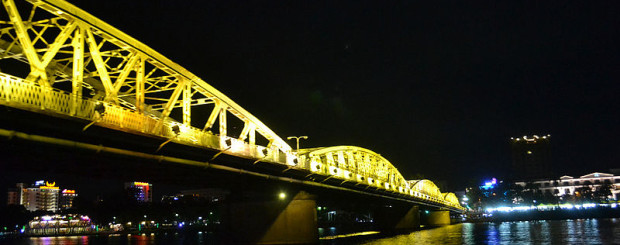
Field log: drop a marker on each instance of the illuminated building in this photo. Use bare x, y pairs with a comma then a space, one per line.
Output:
60, 224
489, 188
141, 191
66, 199
531, 157
567, 185
42, 195
16, 196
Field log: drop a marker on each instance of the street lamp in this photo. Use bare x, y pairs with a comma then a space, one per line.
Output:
297, 138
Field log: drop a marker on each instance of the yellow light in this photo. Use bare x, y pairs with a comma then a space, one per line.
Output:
282, 195
49, 186
529, 152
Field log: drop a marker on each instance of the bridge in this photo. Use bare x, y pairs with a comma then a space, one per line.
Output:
59, 61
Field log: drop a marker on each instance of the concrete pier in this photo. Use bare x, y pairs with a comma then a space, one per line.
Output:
435, 218
281, 221
391, 218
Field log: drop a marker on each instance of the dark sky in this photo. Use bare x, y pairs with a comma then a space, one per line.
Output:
436, 88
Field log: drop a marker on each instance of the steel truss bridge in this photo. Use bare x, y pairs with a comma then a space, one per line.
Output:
61, 61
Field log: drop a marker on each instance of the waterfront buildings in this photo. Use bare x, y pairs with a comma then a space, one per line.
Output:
42, 195
580, 186
60, 225
140, 191
531, 157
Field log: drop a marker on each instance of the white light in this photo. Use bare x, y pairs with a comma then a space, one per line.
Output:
316, 167
589, 205
333, 170
282, 195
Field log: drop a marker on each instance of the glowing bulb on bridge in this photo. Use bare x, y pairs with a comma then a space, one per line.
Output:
282, 195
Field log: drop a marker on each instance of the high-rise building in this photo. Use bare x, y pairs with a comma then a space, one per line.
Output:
141, 191
66, 199
16, 196
531, 157
42, 195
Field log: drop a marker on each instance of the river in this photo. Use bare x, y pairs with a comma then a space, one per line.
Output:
579, 231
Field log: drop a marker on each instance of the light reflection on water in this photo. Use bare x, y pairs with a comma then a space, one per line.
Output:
117, 239
581, 231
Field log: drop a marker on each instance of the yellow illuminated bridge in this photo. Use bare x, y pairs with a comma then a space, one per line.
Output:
71, 64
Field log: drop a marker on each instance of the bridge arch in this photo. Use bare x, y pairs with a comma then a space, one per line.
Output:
74, 64
426, 188
353, 163
451, 199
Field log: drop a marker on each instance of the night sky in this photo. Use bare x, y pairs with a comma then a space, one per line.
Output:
436, 88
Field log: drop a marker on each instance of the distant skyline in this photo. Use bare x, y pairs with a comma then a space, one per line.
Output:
437, 88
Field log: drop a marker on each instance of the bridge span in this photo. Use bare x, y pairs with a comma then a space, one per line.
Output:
59, 61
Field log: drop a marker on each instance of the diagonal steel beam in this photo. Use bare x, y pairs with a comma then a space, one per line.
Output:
100, 65
27, 47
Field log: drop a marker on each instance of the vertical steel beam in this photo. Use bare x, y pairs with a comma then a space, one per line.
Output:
187, 104
78, 69
252, 135
245, 131
223, 123
351, 162
341, 162
140, 86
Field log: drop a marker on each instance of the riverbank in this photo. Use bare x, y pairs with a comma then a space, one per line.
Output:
556, 214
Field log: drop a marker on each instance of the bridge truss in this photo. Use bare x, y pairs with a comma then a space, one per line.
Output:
58, 59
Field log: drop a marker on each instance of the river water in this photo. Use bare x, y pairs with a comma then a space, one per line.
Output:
583, 231
580, 231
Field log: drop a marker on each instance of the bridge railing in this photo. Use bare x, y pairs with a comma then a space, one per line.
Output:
18, 93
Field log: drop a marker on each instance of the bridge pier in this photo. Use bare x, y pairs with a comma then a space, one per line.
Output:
390, 218
283, 221
435, 218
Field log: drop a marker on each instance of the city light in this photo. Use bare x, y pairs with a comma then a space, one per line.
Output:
282, 195
489, 184
542, 207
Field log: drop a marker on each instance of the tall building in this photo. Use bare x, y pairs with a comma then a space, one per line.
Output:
531, 157
66, 199
141, 191
42, 195
15, 196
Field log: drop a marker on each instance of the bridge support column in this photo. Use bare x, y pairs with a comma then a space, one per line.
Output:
284, 221
435, 218
389, 218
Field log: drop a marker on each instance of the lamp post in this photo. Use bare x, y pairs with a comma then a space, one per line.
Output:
297, 138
